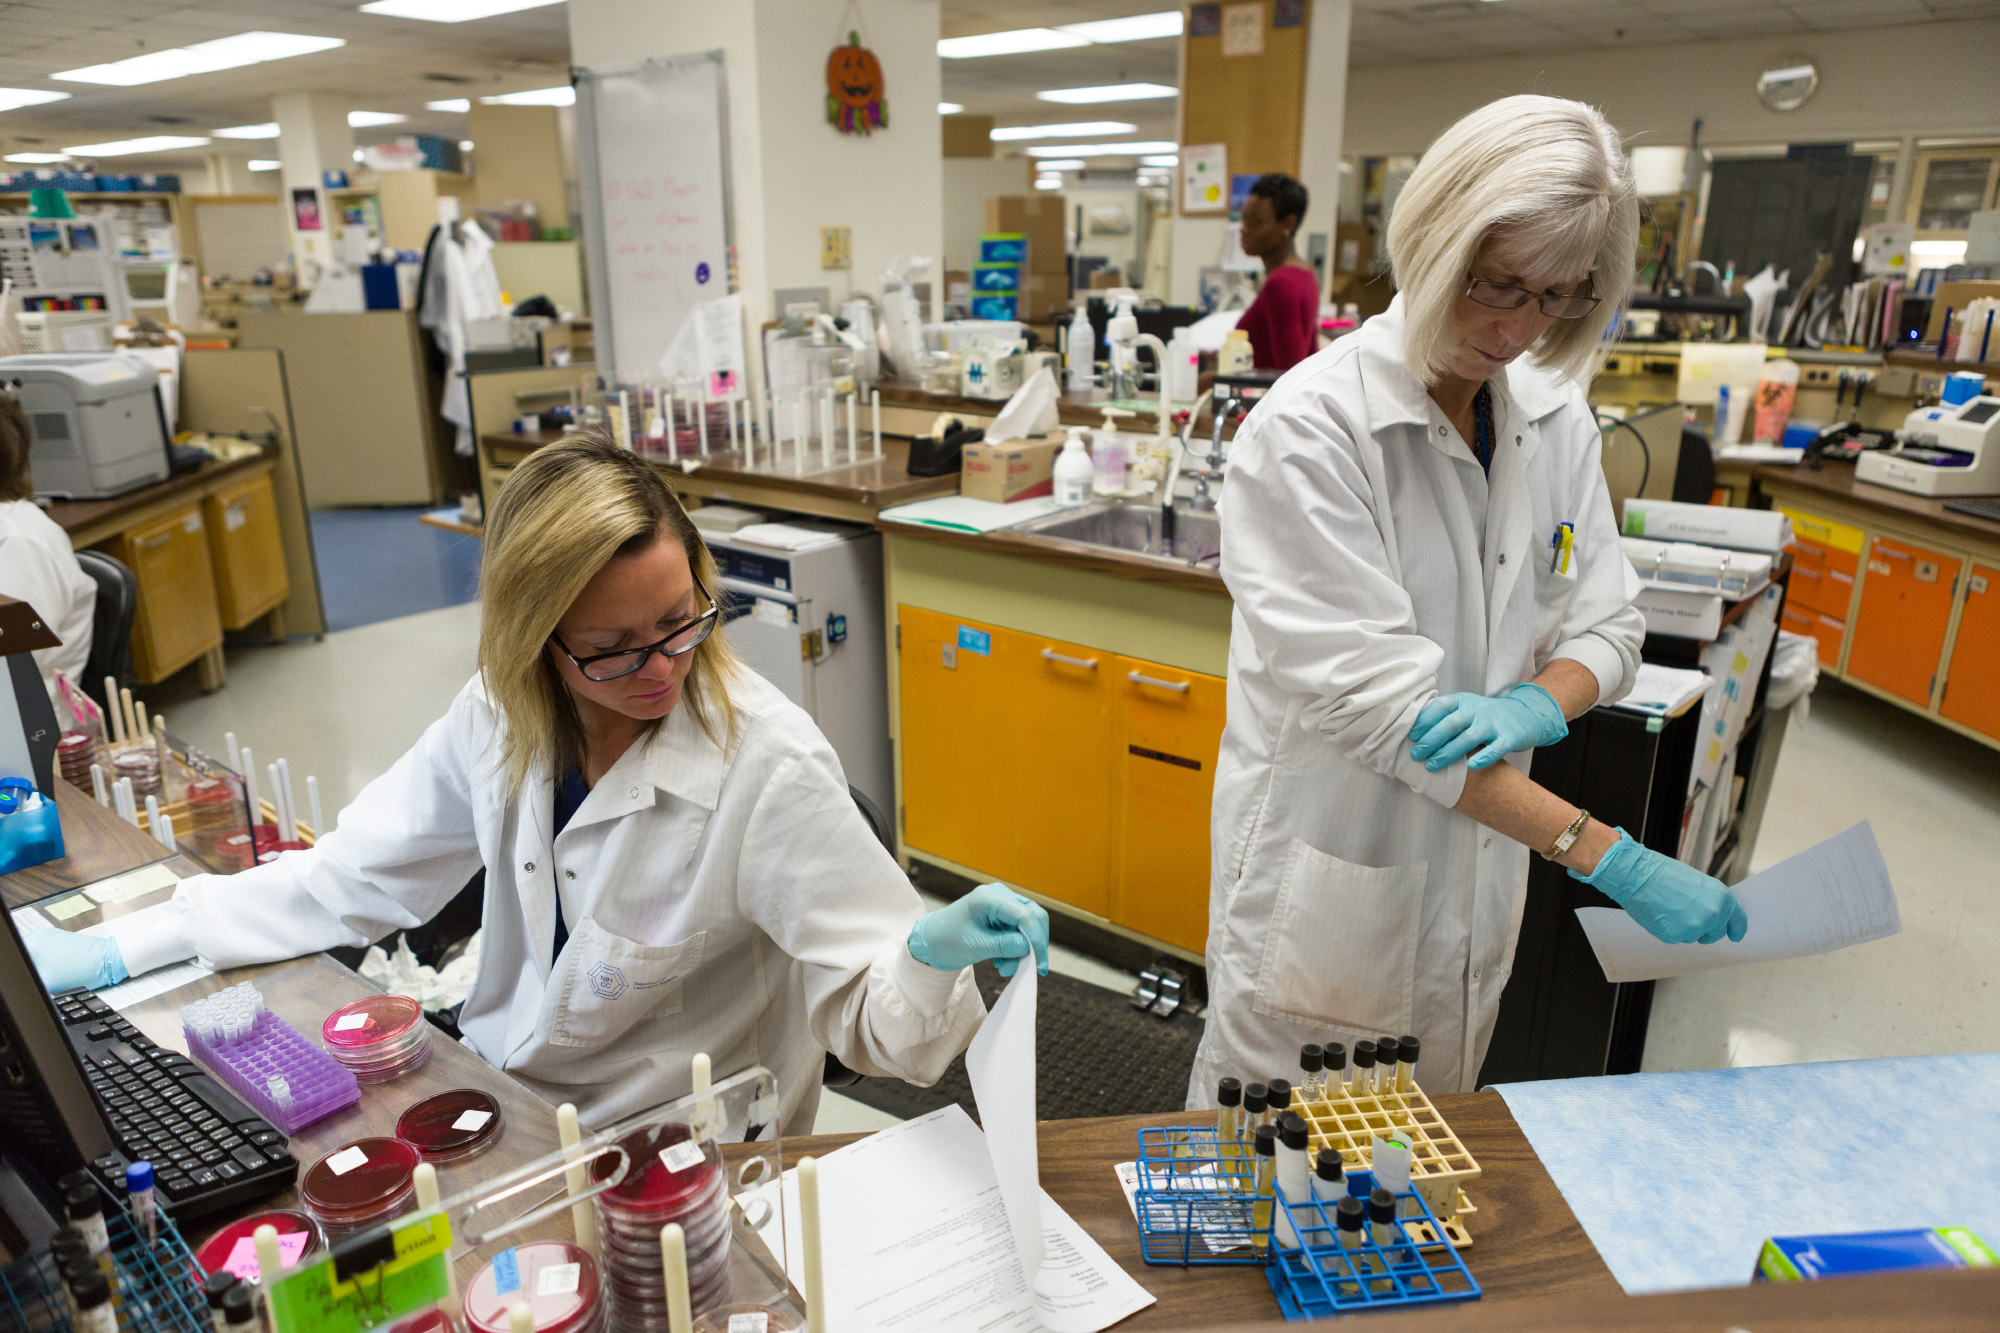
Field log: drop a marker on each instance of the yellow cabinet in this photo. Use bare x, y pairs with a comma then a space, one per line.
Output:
1007, 755
1170, 728
247, 553
177, 620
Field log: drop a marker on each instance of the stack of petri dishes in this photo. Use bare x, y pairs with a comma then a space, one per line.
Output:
212, 810
557, 1281
142, 765
671, 1179
379, 1037
231, 1246
735, 1318
75, 753
355, 1187
452, 1126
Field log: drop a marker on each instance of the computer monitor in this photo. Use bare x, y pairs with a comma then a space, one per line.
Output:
52, 1123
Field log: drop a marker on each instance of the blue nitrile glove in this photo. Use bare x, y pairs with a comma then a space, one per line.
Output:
993, 922
1452, 726
70, 962
1670, 898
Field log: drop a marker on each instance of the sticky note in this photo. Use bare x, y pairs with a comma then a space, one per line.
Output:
346, 1160
70, 907
472, 1120
558, 1279
134, 884
242, 1260
681, 1156
351, 1022
506, 1272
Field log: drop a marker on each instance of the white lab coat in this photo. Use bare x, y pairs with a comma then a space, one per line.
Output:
38, 566
1374, 566
464, 287
732, 902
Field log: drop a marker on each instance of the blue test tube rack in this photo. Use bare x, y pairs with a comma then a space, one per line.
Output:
1194, 1200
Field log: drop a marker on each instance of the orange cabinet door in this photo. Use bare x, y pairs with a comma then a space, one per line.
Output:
1170, 730
246, 551
177, 620
1972, 680
1007, 755
1819, 626
1900, 624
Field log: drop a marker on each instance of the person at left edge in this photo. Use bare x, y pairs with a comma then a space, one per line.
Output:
673, 862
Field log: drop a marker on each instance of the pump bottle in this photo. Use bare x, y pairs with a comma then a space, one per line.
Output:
1074, 470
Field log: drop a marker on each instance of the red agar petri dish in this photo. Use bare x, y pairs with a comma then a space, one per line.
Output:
556, 1280
359, 1184
378, 1037
651, 1191
214, 1252
452, 1126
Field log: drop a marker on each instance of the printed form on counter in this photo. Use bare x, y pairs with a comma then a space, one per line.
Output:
934, 1225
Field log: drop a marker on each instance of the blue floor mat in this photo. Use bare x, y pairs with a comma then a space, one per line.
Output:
381, 564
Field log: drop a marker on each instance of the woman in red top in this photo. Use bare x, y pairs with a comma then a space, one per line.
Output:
1283, 322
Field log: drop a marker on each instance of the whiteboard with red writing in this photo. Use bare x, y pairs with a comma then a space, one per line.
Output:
653, 168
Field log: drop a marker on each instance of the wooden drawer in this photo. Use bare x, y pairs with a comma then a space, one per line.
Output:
177, 620
246, 551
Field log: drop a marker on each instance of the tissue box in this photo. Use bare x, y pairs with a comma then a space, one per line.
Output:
1016, 470
1807, 1258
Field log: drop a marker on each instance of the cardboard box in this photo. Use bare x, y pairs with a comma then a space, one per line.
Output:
1806, 1258
1043, 296
1039, 217
1012, 470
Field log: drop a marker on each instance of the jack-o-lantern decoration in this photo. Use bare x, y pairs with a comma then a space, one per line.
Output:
854, 97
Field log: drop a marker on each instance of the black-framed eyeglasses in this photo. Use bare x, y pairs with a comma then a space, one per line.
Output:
610, 666
1506, 296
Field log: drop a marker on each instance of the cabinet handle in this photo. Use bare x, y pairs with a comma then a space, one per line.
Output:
155, 543
1087, 663
1178, 686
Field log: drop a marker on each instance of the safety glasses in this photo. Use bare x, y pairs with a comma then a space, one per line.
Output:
1506, 296
610, 666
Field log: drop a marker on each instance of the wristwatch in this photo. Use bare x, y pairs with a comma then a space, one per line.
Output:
1567, 838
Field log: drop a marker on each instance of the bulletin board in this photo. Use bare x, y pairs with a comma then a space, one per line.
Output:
653, 161
1246, 94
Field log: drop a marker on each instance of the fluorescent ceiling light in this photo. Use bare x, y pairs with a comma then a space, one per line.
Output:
562, 96
268, 130
1108, 92
949, 108
1160, 160
361, 120
1952, 250
11, 98
245, 48
1072, 130
265, 164
37, 159
1060, 164
1048, 183
461, 105
1140, 148
157, 143
450, 11
1136, 28
1012, 43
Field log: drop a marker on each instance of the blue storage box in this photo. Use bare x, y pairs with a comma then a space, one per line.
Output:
1003, 248
378, 287
993, 307
75, 182
114, 184
996, 278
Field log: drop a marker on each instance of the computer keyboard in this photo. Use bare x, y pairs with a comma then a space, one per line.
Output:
1986, 509
209, 1151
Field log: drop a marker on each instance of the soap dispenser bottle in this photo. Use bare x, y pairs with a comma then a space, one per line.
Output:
1073, 470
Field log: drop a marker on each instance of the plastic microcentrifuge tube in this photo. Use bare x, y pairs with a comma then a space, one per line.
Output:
281, 1091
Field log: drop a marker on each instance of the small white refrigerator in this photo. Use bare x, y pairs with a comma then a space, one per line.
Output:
807, 615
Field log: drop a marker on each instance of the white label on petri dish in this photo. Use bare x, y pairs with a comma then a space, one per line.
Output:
758, 1322
350, 1022
346, 1160
681, 1156
558, 1279
472, 1120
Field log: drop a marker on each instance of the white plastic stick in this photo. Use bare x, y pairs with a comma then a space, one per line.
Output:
853, 446
826, 430
799, 433
701, 418
875, 411
625, 418
153, 816
582, 1216
129, 732
235, 755
97, 785
673, 434
312, 803
277, 800
290, 825
128, 809
815, 1283
270, 1259
114, 725
674, 1266
167, 833
425, 1177
144, 730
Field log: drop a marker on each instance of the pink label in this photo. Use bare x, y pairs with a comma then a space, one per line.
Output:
242, 1260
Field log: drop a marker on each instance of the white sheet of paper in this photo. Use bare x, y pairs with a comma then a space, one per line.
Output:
27, 920
1001, 1066
1825, 898
915, 1235
1663, 689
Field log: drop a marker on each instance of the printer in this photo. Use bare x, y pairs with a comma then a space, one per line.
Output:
95, 421
1951, 449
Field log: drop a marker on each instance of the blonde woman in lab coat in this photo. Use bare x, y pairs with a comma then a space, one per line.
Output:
1405, 633
673, 861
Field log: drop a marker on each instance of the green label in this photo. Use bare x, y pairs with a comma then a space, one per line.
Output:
316, 1300
1776, 1266
1635, 523
1974, 1250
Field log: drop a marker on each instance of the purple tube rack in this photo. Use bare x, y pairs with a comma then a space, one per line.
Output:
320, 1085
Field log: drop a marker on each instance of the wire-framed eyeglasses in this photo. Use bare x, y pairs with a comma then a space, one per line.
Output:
1507, 296
610, 666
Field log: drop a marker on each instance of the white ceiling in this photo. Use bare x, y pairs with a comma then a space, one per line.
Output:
385, 64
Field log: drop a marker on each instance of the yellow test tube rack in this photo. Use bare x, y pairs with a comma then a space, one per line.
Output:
1346, 1121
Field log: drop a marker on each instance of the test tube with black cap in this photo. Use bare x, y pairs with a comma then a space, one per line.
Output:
1364, 1068
91, 1296
1381, 1216
1348, 1215
85, 1206
1385, 1065
1280, 1099
239, 1308
216, 1286
1312, 1059
1267, 1166
1229, 1118
1407, 1051
1328, 1182
1256, 1097
1292, 1173
1333, 1056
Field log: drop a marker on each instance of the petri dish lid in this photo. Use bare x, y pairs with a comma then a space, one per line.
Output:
540, 1273
215, 1252
381, 1018
651, 1189
451, 1123
210, 791
341, 1183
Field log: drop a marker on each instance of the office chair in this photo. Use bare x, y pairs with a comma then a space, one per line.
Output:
1694, 480
110, 623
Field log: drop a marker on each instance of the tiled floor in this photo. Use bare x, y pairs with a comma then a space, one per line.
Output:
347, 707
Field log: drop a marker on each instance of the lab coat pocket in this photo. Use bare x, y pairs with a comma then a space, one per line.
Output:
1342, 952
1553, 590
609, 983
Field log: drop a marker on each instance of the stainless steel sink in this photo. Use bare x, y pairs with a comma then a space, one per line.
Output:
1136, 528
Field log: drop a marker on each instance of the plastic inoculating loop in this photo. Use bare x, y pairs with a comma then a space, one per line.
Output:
217, 1250
452, 1126
359, 1184
318, 1086
556, 1280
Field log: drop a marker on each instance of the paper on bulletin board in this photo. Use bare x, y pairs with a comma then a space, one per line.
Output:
1205, 178
1243, 29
